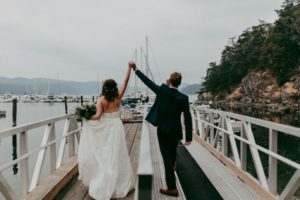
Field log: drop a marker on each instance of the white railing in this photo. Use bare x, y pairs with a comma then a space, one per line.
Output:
221, 130
145, 169
70, 130
125, 113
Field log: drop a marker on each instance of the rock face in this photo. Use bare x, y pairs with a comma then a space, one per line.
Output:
260, 88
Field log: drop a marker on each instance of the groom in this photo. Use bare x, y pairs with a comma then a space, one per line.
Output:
166, 115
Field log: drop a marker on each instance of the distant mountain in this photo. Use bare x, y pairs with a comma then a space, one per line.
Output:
21, 86
189, 89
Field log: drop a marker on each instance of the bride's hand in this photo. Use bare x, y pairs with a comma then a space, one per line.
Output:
132, 65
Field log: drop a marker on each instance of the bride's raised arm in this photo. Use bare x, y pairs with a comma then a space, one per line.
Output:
124, 86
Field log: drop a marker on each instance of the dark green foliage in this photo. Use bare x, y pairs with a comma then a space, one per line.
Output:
265, 46
85, 111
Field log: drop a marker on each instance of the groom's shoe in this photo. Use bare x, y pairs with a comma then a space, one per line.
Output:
173, 192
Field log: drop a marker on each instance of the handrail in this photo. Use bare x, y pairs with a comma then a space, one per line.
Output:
145, 170
25, 127
219, 134
263, 123
70, 130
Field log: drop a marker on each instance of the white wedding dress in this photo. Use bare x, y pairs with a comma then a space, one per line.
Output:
103, 160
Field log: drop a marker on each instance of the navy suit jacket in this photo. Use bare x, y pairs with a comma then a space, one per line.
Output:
167, 109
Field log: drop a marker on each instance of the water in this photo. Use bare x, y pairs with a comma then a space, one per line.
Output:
28, 112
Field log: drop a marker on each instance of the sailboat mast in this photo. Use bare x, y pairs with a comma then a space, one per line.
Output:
147, 63
58, 84
98, 84
135, 77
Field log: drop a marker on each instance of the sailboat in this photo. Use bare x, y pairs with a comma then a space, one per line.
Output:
139, 99
2, 113
49, 98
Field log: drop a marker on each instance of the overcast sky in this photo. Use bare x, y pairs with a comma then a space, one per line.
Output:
78, 39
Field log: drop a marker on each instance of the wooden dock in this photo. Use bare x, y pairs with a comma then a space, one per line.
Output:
214, 136
133, 135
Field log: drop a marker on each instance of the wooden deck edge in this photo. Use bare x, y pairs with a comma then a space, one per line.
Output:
248, 180
179, 187
51, 186
127, 121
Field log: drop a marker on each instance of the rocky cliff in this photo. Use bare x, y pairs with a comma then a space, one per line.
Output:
260, 89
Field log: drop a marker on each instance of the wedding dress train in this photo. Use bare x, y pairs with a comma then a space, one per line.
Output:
103, 159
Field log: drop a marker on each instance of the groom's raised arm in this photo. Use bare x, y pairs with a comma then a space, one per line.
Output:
147, 81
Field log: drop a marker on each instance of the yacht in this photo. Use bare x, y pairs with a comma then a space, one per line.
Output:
2, 113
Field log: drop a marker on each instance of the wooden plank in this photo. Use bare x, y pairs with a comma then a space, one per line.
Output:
249, 181
158, 169
130, 136
80, 192
134, 155
138, 128
127, 127
50, 187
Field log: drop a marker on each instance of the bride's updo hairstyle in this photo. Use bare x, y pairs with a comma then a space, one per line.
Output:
110, 90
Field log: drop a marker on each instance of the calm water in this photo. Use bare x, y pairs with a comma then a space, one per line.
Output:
28, 112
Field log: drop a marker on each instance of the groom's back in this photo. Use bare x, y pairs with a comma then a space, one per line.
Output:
170, 105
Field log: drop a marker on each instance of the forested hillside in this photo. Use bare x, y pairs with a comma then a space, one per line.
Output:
267, 46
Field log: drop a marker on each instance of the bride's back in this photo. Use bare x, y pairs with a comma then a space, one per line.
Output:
109, 107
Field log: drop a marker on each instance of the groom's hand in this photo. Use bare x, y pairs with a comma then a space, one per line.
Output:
187, 143
132, 65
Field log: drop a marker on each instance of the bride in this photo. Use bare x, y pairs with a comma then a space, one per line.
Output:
103, 160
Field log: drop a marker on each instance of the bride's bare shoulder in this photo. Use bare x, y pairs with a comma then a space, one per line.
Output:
102, 99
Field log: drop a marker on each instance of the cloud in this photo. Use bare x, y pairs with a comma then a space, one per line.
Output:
79, 39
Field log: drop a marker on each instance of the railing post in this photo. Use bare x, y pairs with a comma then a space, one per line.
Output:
202, 123
211, 131
224, 139
14, 137
256, 157
72, 138
52, 149
199, 123
273, 143
62, 146
24, 163
194, 121
66, 105
40, 158
243, 149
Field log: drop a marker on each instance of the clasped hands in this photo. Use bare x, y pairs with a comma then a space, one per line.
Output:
132, 65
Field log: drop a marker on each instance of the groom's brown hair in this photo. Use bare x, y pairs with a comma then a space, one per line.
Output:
175, 79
